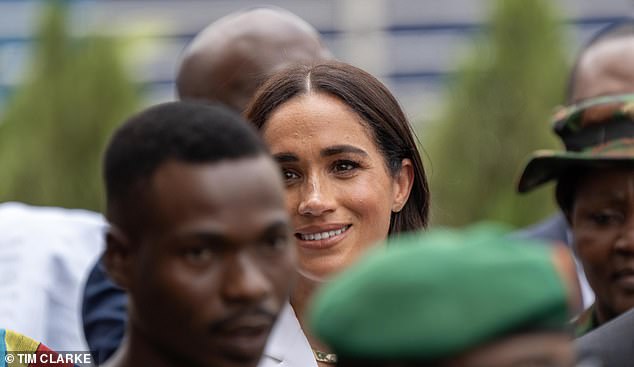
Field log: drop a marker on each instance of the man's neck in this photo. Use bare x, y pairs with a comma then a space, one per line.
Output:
135, 350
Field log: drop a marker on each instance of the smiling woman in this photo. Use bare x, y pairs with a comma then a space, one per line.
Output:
352, 171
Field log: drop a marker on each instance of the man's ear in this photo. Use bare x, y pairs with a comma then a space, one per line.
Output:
403, 183
118, 257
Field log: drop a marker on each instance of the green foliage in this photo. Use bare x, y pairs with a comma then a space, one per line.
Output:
56, 125
498, 112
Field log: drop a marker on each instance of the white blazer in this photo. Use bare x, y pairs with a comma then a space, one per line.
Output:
287, 345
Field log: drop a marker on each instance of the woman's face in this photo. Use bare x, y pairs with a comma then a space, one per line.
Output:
602, 222
340, 193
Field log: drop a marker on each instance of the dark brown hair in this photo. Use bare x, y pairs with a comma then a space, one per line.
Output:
376, 106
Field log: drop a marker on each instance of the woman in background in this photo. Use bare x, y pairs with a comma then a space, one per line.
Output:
595, 191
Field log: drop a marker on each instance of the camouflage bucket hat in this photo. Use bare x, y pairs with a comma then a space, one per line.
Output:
598, 132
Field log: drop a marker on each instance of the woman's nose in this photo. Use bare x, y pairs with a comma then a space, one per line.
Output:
625, 242
316, 197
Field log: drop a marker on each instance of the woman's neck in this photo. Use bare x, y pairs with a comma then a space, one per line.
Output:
300, 299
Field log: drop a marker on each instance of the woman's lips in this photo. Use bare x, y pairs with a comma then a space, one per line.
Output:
625, 279
321, 237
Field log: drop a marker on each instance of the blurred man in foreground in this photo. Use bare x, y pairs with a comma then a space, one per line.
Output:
199, 237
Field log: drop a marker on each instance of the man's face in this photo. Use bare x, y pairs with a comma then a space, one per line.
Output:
214, 262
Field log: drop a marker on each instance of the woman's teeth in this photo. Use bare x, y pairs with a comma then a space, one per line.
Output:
322, 235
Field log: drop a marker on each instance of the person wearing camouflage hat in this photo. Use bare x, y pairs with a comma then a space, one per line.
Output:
603, 67
596, 133
452, 298
595, 191
593, 175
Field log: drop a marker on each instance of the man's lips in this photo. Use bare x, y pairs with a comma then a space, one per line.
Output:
245, 320
246, 325
244, 335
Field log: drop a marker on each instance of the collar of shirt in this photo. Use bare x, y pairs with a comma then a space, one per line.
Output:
287, 345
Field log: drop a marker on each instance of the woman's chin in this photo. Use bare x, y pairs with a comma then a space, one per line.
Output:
319, 274
320, 267
311, 276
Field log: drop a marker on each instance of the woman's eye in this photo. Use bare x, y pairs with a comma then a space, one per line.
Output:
606, 218
345, 166
289, 175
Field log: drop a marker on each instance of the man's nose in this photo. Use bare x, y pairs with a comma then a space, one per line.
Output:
244, 281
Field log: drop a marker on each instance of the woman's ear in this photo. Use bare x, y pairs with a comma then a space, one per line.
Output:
118, 257
403, 182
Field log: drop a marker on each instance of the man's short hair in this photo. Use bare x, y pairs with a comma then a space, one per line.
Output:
620, 29
182, 131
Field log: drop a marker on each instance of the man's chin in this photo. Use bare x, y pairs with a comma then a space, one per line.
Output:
237, 360
239, 351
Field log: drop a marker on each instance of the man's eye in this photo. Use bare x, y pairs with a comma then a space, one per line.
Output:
198, 255
277, 243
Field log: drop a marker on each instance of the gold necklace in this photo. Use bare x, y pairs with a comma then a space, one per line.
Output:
324, 357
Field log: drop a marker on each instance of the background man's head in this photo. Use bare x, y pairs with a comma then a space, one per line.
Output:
200, 236
605, 66
230, 58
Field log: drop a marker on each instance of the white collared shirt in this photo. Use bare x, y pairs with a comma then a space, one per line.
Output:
287, 345
45, 256
587, 294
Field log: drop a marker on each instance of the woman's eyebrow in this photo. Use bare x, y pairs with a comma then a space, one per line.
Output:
338, 149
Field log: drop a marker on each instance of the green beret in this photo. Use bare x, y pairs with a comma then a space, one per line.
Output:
434, 295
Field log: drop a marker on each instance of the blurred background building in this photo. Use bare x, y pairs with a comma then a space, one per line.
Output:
412, 45
478, 78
